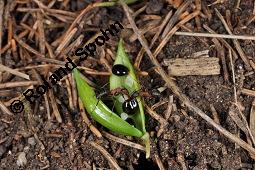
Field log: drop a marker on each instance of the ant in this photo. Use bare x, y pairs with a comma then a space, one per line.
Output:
130, 105
112, 93
118, 70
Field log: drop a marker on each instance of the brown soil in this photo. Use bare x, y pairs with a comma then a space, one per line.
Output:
186, 141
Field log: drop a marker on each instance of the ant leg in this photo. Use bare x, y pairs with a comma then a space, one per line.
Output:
105, 85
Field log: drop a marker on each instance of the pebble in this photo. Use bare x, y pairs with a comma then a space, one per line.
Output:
26, 149
31, 141
22, 160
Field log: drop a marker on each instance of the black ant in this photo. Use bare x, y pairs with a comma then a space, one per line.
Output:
118, 70
130, 105
112, 93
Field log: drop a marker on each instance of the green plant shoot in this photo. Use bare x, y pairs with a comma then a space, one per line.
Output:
130, 83
100, 112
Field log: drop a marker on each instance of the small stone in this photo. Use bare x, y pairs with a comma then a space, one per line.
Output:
26, 149
22, 160
31, 141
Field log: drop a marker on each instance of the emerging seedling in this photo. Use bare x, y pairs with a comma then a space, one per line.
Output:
100, 112
134, 104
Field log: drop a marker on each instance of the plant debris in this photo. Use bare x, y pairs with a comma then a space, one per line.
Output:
194, 121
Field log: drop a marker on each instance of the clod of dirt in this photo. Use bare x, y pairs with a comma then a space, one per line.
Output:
154, 7
2, 150
22, 160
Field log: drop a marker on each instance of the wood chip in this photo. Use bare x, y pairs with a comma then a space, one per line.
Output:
55, 154
214, 114
196, 66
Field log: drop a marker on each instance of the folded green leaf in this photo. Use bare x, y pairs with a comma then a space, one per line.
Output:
100, 112
130, 83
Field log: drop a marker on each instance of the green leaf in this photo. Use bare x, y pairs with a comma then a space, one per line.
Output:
100, 112
130, 83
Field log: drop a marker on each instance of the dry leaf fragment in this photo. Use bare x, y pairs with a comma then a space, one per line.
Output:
193, 66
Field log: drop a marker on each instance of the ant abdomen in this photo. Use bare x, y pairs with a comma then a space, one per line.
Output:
130, 106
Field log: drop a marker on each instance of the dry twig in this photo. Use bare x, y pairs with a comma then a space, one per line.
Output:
224, 42
14, 72
248, 92
252, 118
236, 43
110, 159
18, 84
1, 31
5, 109
221, 55
54, 106
153, 114
123, 141
213, 35
141, 52
159, 162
